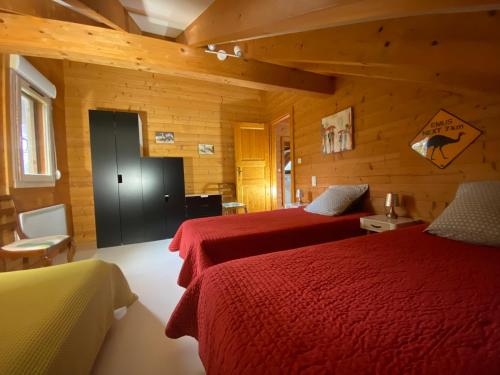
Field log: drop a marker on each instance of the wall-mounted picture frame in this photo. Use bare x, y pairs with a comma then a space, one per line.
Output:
444, 138
337, 132
206, 149
165, 137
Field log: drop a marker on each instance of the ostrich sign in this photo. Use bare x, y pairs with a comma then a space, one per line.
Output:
444, 138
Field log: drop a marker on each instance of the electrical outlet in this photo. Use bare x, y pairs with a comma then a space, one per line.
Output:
314, 181
299, 160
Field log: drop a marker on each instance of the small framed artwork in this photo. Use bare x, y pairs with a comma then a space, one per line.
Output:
337, 132
206, 149
165, 137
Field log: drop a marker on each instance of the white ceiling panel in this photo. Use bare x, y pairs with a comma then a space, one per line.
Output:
165, 17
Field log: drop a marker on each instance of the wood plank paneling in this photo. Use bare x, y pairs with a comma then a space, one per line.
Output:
427, 49
196, 111
32, 198
4, 157
27, 199
387, 115
233, 20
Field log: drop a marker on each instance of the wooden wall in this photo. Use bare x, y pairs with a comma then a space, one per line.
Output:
196, 111
26, 199
4, 144
387, 116
32, 198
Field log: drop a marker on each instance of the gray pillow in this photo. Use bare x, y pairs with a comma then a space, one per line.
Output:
473, 216
336, 199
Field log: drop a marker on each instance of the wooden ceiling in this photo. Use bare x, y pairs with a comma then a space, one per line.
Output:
233, 20
288, 45
450, 51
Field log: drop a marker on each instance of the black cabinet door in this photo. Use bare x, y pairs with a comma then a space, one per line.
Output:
104, 175
153, 195
175, 196
135, 199
129, 175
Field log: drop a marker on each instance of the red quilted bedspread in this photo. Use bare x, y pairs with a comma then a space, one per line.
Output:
213, 240
402, 302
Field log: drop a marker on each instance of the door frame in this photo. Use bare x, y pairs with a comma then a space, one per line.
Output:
272, 160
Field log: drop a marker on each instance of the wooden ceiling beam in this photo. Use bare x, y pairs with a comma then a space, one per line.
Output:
83, 9
454, 50
110, 13
44, 9
232, 20
39, 37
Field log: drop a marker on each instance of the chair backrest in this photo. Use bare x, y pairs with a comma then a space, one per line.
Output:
8, 222
227, 190
46, 221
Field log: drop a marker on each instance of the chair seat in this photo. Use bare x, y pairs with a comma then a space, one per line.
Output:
233, 205
33, 244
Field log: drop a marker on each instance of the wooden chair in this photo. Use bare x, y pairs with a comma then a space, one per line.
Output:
228, 192
45, 248
229, 206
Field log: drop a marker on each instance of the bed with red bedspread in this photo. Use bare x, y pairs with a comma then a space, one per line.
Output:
390, 303
213, 240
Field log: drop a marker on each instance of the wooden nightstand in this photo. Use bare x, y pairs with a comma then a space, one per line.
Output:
381, 223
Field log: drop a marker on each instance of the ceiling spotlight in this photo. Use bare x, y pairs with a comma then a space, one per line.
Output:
237, 51
222, 55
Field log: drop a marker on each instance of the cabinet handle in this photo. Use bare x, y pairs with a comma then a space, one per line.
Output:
376, 226
120, 179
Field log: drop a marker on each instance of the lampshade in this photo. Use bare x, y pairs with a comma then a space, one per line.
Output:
298, 194
392, 200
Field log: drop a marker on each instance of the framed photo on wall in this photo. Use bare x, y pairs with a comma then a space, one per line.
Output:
337, 132
206, 149
165, 137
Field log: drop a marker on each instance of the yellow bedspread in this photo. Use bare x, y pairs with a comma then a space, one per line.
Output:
53, 320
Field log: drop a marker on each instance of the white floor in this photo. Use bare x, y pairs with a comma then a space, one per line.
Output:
136, 344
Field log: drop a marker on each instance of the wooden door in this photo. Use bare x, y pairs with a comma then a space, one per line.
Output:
251, 146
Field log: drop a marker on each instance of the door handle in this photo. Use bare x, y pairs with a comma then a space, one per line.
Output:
239, 171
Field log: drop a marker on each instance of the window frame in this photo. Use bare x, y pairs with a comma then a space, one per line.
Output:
21, 179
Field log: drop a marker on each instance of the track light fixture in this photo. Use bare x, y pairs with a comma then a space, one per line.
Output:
223, 55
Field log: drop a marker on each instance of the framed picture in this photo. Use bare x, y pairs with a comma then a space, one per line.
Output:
444, 138
165, 137
337, 132
206, 149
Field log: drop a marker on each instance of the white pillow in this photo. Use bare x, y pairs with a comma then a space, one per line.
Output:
336, 199
473, 216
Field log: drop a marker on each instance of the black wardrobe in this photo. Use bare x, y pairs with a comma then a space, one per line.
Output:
136, 199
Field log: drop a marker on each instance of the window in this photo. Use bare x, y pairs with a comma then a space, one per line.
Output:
32, 137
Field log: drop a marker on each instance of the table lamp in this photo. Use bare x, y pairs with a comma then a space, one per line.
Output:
391, 201
299, 195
